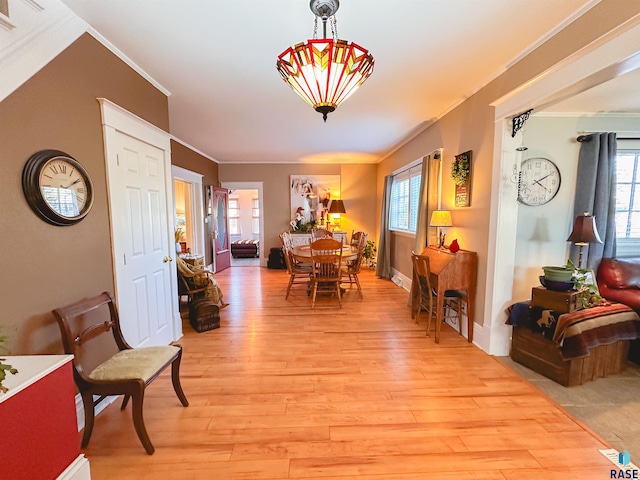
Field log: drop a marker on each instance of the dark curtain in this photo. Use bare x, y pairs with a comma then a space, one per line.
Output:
596, 193
423, 208
383, 267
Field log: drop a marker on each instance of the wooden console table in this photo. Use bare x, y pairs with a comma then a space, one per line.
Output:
452, 271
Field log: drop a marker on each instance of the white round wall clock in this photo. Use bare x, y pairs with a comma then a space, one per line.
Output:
538, 182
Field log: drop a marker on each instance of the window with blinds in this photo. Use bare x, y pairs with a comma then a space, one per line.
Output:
627, 199
234, 217
255, 216
405, 193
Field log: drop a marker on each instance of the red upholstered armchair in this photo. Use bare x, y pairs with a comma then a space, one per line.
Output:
619, 281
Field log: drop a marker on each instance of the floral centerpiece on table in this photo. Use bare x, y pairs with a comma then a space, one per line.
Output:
299, 225
302, 227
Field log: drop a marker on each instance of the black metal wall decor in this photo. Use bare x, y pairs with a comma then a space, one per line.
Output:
518, 121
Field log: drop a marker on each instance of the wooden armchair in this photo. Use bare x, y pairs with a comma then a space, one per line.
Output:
103, 368
299, 273
197, 282
319, 233
351, 270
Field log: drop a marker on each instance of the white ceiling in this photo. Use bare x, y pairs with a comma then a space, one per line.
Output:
217, 59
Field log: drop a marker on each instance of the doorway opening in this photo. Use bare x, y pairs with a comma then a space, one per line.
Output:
244, 227
189, 212
246, 223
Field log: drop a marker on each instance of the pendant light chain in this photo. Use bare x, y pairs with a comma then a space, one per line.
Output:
334, 27
315, 28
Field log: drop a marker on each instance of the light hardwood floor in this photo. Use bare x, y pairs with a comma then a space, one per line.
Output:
280, 391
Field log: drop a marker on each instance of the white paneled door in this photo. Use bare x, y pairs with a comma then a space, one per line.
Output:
143, 277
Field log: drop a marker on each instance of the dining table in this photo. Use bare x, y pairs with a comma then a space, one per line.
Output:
302, 253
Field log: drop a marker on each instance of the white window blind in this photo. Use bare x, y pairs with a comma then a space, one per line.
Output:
234, 217
405, 193
628, 199
255, 216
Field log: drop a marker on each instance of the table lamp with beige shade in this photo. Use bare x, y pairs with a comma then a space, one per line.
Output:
439, 219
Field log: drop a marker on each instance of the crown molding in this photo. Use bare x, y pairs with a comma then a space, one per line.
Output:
41, 31
38, 31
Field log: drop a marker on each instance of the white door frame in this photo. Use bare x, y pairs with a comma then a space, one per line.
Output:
253, 186
197, 202
610, 56
117, 119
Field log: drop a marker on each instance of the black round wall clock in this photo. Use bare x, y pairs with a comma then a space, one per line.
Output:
57, 188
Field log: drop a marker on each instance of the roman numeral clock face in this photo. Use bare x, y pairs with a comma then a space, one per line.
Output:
57, 187
538, 182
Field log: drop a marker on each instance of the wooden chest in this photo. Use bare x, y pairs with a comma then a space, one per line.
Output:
564, 302
204, 315
543, 356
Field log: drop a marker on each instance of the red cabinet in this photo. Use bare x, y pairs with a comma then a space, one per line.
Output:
39, 436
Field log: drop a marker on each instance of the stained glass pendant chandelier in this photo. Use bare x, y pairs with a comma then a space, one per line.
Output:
325, 71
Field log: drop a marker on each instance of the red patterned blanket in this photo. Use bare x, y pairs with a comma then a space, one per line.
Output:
576, 332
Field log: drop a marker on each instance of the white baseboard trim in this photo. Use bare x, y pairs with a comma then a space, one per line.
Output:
400, 279
99, 408
78, 470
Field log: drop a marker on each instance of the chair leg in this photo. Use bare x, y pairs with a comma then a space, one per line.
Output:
89, 415
175, 379
138, 420
314, 290
338, 293
291, 277
430, 315
355, 276
459, 308
125, 401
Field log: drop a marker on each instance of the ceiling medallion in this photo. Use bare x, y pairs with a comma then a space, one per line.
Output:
326, 71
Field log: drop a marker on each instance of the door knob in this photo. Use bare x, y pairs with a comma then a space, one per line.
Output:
167, 259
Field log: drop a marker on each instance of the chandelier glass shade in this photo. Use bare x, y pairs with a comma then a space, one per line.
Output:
325, 72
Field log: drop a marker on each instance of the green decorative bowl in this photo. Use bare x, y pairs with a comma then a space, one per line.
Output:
558, 274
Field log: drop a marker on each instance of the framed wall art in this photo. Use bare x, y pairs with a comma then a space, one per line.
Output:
461, 174
311, 196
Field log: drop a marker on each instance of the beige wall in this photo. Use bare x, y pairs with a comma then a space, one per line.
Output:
45, 266
470, 126
357, 185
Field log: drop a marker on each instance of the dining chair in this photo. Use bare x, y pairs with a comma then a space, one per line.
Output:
326, 266
351, 270
299, 272
356, 236
105, 365
425, 296
319, 233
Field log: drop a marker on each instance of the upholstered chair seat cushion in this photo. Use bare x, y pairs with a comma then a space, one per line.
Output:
137, 363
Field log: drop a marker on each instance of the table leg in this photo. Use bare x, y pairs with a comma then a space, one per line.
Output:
471, 295
439, 309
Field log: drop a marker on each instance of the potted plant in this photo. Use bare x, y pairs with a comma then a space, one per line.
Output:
4, 368
588, 293
369, 254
